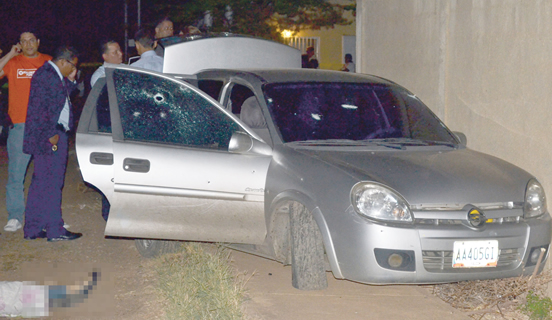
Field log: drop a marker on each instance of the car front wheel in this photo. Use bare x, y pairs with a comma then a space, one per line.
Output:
149, 248
308, 267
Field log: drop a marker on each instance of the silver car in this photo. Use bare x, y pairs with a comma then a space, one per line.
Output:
321, 170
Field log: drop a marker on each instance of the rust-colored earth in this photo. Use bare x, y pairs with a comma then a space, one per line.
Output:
126, 288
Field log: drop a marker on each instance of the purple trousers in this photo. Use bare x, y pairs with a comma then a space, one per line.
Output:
43, 210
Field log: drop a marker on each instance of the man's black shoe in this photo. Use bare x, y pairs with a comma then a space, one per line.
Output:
68, 235
40, 235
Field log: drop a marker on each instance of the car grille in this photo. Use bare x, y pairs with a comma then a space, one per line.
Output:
513, 219
441, 261
431, 214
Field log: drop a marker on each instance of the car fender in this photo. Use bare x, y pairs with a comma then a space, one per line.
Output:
309, 203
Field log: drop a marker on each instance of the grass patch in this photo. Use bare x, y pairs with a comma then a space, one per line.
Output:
537, 307
196, 284
508, 298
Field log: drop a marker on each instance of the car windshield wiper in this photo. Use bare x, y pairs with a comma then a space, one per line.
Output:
347, 142
393, 143
328, 142
416, 142
442, 143
401, 141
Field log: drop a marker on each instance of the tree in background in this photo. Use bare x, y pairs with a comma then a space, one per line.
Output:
261, 18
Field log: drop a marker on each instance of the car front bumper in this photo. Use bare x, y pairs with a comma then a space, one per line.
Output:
363, 254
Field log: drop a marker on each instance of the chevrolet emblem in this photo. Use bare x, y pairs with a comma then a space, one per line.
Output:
476, 218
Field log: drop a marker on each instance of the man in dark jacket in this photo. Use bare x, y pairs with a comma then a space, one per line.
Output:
49, 118
309, 60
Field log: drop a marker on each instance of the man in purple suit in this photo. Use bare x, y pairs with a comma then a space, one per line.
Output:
49, 119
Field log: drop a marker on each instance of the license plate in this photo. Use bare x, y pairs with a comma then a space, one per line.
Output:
475, 254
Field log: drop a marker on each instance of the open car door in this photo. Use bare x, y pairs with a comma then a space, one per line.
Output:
173, 163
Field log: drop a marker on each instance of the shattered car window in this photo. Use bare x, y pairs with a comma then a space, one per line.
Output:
351, 111
160, 110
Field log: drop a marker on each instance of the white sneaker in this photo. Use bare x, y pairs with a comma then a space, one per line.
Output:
13, 225
66, 226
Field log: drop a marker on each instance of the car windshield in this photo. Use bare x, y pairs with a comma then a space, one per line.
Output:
311, 111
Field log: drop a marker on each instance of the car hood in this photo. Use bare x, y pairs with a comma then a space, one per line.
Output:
460, 176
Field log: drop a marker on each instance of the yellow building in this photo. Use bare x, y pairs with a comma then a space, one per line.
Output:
331, 44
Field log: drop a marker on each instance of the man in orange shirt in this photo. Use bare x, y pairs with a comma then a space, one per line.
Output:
19, 65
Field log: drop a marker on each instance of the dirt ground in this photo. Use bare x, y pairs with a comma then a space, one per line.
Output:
125, 289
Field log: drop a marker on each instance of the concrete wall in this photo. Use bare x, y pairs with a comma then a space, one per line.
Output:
483, 66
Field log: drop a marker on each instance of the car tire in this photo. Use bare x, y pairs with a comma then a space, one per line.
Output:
308, 267
149, 248
280, 234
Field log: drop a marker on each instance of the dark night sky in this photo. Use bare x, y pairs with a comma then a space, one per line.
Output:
80, 23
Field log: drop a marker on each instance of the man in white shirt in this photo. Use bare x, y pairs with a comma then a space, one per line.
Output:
111, 53
349, 65
145, 44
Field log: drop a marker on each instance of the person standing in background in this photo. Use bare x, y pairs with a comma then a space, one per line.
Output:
309, 60
144, 46
49, 119
349, 65
18, 66
163, 29
111, 53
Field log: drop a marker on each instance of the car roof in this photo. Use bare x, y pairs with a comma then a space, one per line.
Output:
294, 75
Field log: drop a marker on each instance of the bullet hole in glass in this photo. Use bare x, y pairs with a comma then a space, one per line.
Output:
159, 97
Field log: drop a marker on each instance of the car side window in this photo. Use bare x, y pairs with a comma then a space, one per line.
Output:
245, 105
155, 109
211, 87
102, 111
238, 95
101, 119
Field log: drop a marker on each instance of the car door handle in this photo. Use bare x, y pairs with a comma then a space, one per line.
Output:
136, 165
101, 158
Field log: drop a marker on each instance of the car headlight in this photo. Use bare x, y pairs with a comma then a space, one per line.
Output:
377, 201
535, 200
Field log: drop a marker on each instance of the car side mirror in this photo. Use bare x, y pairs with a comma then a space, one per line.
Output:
461, 137
241, 142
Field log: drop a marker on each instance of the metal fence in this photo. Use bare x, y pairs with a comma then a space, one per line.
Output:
302, 43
